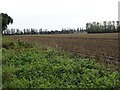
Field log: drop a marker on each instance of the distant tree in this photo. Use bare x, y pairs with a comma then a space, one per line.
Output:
105, 24
18, 32
32, 31
94, 25
6, 20
78, 30
98, 26
87, 24
12, 31
40, 31
24, 31
109, 26
118, 23
113, 25
118, 29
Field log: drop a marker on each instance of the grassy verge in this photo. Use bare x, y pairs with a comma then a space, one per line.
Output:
26, 66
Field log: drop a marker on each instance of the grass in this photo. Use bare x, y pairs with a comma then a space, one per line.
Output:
27, 66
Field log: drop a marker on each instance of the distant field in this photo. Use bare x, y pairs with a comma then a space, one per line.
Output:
100, 46
105, 35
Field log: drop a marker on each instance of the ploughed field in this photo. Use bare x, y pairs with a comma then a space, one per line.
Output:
103, 47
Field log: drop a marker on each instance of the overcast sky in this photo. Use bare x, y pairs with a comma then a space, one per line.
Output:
55, 14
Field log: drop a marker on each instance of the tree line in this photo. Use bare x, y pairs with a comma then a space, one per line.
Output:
42, 31
104, 27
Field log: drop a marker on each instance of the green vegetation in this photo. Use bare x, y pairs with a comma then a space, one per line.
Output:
6, 20
27, 66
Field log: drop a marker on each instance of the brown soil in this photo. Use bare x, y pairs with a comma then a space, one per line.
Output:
100, 46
